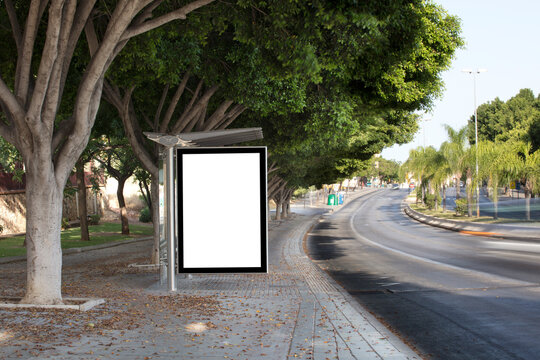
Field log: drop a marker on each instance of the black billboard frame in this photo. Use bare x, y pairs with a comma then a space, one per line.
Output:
263, 208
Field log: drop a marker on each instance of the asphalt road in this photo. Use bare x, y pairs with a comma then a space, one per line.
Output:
451, 296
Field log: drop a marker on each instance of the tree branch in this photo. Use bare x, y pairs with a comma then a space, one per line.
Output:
91, 37
195, 118
7, 132
217, 116
55, 86
201, 103
110, 169
147, 120
71, 149
46, 67
80, 19
147, 13
62, 131
15, 27
24, 61
233, 114
273, 167
179, 14
160, 107
11, 103
112, 95
174, 101
202, 116
133, 134
180, 122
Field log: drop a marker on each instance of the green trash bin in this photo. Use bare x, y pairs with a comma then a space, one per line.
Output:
332, 199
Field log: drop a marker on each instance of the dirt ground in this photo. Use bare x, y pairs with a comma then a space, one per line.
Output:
95, 274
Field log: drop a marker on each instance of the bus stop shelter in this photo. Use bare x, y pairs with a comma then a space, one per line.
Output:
168, 206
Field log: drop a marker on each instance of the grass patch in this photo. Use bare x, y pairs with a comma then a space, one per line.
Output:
71, 238
451, 215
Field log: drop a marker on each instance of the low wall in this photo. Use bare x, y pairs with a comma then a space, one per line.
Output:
13, 211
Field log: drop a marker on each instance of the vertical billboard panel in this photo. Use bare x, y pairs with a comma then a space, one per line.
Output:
222, 210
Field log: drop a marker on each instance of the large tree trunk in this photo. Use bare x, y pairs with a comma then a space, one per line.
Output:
284, 209
495, 197
51, 150
278, 208
122, 205
44, 253
444, 198
82, 206
527, 204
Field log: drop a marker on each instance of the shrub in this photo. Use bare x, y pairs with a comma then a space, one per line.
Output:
418, 190
94, 219
65, 223
430, 199
145, 215
461, 206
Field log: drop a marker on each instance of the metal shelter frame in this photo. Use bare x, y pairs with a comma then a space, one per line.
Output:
171, 143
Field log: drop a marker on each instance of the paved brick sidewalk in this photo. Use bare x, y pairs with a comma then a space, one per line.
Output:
294, 312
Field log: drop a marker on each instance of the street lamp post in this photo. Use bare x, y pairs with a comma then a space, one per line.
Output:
424, 120
474, 72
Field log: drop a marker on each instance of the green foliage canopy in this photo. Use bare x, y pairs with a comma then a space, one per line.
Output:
517, 119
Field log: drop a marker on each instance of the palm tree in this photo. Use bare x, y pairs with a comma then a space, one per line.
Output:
494, 160
441, 170
454, 151
525, 165
417, 164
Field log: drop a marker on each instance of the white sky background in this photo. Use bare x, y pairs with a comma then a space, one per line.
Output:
501, 36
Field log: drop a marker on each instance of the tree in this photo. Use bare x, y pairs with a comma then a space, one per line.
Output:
454, 151
359, 105
50, 97
495, 161
417, 163
46, 35
515, 119
525, 165
438, 169
383, 169
120, 163
202, 92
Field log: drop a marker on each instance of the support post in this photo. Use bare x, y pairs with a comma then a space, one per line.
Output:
170, 219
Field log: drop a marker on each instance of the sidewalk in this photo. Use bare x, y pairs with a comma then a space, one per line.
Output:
294, 312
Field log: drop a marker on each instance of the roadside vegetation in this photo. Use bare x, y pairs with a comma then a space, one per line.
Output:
450, 215
71, 238
507, 153
330, 84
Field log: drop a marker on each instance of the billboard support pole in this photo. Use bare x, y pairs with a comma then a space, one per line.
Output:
170, 218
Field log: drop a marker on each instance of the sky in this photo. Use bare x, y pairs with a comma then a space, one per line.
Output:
501, 36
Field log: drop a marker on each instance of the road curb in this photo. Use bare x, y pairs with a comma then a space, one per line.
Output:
489, 230
12, 259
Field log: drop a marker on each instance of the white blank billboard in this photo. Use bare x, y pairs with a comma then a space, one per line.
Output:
222, 224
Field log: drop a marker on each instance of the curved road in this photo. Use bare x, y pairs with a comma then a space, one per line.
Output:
451, 296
